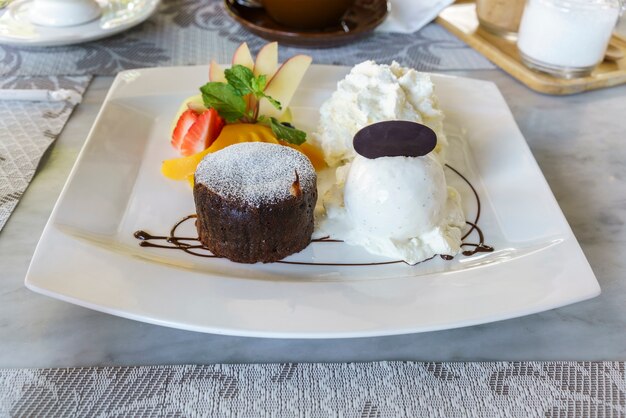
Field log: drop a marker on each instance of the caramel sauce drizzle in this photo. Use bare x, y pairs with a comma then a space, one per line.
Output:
193, 246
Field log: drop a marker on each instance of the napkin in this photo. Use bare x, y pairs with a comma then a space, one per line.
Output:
41, 95
408, 16
33, 111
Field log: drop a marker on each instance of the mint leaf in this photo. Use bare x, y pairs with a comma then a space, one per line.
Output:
258, 83
287, 133
240, 78
243, 80
273, 101
225, 99
258, 87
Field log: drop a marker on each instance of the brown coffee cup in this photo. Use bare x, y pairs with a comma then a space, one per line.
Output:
307, 14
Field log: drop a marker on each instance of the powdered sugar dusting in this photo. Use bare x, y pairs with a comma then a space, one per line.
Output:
256, 172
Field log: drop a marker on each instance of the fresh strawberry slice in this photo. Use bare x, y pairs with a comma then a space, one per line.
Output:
185, 122
216, 127
202, 133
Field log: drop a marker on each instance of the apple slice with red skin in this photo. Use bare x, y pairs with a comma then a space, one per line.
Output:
267, 61
242, 56
284, 84
216, 72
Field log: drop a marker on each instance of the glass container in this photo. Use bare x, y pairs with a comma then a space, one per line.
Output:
567, 38
500, 17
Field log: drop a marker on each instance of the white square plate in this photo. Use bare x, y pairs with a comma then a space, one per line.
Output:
87, 254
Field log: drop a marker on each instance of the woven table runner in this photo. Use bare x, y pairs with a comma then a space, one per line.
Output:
368, 390
26, 131
186, 32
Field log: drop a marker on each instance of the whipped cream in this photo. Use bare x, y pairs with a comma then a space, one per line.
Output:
398, 207
373, 93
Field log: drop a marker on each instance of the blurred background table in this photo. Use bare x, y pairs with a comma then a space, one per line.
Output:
578, 143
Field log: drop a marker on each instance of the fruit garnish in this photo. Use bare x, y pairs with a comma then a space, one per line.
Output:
266, 61
216, 73
182, 168
286, 132
242, 56
186, 105
196, 107
232, 100
284, 84
202, 133
195, 103
242, 92
184, 123
239, 96
314, 154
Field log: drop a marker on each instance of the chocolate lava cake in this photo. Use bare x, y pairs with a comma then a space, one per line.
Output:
255, 202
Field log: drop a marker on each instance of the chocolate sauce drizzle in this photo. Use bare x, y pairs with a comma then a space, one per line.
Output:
178, 243
193, 246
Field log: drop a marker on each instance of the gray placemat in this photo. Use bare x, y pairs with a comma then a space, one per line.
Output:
185, 32
26, 131
369, 390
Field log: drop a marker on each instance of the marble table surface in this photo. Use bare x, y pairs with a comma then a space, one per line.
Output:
579, 142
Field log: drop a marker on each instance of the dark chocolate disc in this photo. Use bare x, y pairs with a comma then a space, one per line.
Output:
395, 138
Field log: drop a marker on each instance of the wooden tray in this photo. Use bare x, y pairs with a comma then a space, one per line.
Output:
461, 20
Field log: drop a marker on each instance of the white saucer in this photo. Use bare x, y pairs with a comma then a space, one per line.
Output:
63, 13
117, 16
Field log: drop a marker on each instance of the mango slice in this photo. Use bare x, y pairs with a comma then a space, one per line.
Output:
315, 154
184, 168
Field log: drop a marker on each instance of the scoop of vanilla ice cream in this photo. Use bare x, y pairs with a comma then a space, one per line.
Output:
395, 197
373, 93
399, 207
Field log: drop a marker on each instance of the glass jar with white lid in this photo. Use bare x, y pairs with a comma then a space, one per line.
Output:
567, 38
